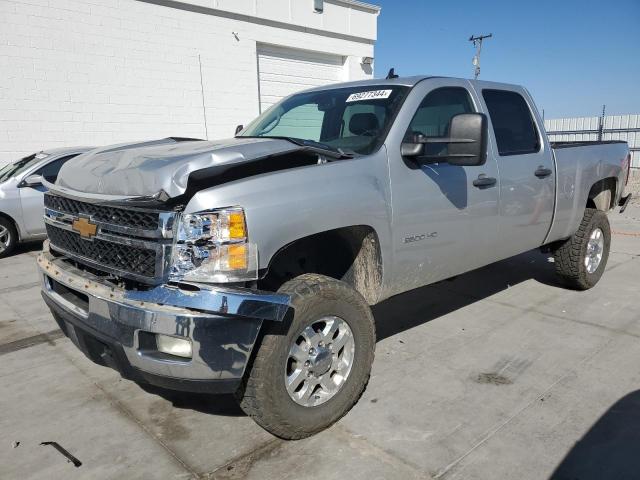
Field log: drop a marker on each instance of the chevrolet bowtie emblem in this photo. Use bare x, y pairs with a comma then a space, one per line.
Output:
84, 227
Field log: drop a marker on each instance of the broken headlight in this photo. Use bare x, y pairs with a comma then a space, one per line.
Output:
213, 247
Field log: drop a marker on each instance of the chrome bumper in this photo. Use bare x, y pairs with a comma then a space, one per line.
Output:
222, 323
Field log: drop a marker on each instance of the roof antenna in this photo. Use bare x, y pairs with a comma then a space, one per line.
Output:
391, 74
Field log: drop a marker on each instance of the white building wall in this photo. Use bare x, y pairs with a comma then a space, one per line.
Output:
96, 72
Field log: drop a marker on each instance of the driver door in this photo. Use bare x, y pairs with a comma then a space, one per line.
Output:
443, 225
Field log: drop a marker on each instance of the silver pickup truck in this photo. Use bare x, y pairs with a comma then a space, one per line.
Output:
249, 265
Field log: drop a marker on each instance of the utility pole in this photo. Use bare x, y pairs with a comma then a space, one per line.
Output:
601, 123
477, 42
204, 109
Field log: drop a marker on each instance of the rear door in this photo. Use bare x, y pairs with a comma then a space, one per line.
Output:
527, 172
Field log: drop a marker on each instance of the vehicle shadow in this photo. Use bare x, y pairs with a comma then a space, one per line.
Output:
424, 304
610, 449
211, 404
28, 247
406, 311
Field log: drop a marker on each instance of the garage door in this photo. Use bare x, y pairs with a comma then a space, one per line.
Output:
283, 71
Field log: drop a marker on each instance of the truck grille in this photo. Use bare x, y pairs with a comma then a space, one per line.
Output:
143, 219
115, 256
131, 243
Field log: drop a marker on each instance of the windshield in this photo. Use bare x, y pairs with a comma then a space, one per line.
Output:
351, 120
19, 166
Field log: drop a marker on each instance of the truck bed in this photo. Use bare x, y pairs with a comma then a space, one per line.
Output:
579, 166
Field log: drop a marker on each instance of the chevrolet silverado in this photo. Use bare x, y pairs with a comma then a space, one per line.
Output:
249, 265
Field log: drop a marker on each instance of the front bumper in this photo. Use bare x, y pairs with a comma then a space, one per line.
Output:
117, 327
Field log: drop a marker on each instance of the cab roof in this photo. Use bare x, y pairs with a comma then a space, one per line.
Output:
65, 150
411, 81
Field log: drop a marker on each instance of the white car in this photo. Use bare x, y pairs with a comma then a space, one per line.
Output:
22, 194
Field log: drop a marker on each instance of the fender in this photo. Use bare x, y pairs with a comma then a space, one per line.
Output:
285, 206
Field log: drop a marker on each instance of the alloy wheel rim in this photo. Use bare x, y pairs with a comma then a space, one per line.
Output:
5, 238
595, 250
319, 361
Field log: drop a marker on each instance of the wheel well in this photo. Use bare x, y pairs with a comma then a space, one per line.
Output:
602, 195
13, 222
351, 254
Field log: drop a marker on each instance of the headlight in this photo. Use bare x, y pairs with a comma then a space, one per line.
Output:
213, 247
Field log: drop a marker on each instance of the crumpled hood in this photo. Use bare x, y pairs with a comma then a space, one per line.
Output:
148, 169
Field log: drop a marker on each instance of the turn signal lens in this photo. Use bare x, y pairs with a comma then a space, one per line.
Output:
237, 256
237, 228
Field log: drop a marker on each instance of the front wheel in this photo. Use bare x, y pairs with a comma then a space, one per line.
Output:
313, 367
8, 237
580, 261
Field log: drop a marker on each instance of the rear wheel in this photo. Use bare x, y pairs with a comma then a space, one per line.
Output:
8, 237
581, 259
312, 368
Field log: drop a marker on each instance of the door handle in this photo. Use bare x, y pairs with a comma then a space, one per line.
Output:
543, 172
483, 181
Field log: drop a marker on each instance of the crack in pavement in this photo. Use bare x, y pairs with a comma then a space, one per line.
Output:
545, 301
238, 467
128, 413
17, 288
119, 406
32, 341
628, 234
568, 319
632, 255
387, 456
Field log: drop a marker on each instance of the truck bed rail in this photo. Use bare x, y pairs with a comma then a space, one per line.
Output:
583, 143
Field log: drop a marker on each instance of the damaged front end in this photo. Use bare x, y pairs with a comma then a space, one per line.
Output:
167, 173
144, 285
184, 336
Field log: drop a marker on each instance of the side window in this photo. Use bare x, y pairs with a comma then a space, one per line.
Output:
50, 171
434, 113
513, 125
304, 121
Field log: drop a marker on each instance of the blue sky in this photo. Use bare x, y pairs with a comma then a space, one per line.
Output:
573, 56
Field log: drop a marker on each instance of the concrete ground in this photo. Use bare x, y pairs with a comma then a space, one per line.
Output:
498, 374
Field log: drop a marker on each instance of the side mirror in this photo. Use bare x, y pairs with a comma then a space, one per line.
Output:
466, 145
239, 129
412, 149
31, 181
469, 139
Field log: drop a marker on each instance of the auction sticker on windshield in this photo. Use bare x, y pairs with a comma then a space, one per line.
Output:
370, 95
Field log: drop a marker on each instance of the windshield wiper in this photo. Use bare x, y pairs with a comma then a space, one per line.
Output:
319, 147
324, 146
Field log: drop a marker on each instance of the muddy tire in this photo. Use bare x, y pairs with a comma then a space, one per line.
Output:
582, 258
8, 237
311, 368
